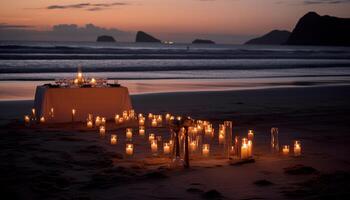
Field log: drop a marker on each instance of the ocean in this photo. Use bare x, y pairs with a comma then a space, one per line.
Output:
152, 68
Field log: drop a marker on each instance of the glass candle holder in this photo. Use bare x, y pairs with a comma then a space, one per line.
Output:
274, 140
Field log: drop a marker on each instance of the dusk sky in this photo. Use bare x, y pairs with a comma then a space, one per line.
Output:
226, 21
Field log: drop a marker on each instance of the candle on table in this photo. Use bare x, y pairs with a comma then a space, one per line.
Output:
114, 139
26, 120
129, 149
159, 119
206, 150
132, 114
42, 120
93, 81
151, 137
232, 150
285, 149
33, 113
140, 115
102, 131
129, 133
52, 113
89, 124
141, 121
150, 115
166, 148
244, 151
250, 135
116, 119
121, 120
90, 117
125, 114
167, 117
103, 121
73, 114
142, 131
297, 148
154, 123
98, 121
154, 146
193, 146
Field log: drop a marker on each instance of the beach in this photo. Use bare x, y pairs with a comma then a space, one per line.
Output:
65, 163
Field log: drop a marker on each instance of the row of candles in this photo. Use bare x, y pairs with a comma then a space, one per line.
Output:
296, 149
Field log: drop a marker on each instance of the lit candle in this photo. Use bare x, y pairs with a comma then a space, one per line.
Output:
250, 135
150, 115
244, 151
121, 120
76, 81
102, 131
167, 117
232, 150
159, 119
206, 150
116, 119
89, 124
129, 150
52, 113
26, 120
221, 137
98, 121
125, 114
141, 121
42, 120
208, 130
154, 146
93, 81
297, 148
132, 114
113, 139
151, 137
140, 115
103, 121
90, 117
250, 148
73, 114
285, 149
33, 113
129, 133
193, 146
142, 131
154, 123
166, 148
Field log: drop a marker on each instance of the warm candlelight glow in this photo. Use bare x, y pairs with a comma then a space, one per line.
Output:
285, 149
42, 120
193, 146
250, 148
166, 148
103, 121
52, 113
125, 114
297, 148
33, 113
129, 149
142, 131
154, 123
141, 121
89, 124
151, 137
98, 121
244, 151
26, 120
150, 115
159, 119
90, 117
121, 120
116, 119
167, 117
93, 81
102, 131
154, 146
129, 133
114, 139
221, 137
205, 150
73, 114
250, 135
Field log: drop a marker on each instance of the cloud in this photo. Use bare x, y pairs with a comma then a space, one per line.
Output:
86, 6
13, 26
310, 2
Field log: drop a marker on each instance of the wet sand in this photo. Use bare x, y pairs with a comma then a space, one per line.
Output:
63, 163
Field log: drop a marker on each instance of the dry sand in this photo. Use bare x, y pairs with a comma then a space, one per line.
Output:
58, 162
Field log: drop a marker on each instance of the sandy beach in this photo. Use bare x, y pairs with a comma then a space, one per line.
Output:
61, 162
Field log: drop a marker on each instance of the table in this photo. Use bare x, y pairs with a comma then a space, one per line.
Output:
104, 102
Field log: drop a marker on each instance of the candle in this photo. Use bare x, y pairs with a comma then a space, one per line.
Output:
141, 121
172, 118
90, 117
116, 119
140, 115
151, 137
166, 148
142, 131
208, 130
73, 114
154, 123
129, 133
232, 150
103, 121
285, 150
80, 75
76, 81
171, 143
121, 120
26, 120
102, 131
167, 117
221, 137
93, 81
159, 119
42, 120
244, 151
98, 121
125, 114
132, 114
33, 113
250, 148
193, 146
206, 150
52, 113
250, 135
129, 150
89, 124
297, 148
154, 146
150, 115
113, 139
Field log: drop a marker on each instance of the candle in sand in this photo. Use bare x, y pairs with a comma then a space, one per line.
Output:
114, 139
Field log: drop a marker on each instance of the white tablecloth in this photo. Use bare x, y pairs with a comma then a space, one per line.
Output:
104, 102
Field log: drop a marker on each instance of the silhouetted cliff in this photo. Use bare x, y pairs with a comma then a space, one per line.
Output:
105, 38
275, 37
313, 29
144, 37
